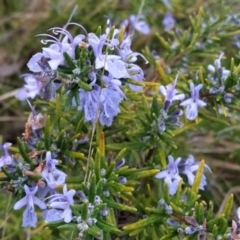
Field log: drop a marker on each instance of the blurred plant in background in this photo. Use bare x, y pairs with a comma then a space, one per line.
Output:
123, 100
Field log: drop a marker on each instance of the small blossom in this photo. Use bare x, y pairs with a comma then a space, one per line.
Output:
111, 63
170, 94
97, 200
168, 21
190, 168
193, 103
190, 230
138, 23
218, 72
31, 89
228, 97
89, 102
29, 215
234, 234
106, 193
90, 208
169, 210
173, 119
122, 180
91, 221
173, 222
52, 215
119, 163
83, 226
162, 203
62, 203
54, 52
82, 196
171, 175
51, 174
104, 211
6, 159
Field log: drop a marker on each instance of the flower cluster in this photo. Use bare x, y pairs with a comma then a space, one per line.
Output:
171, 174
171, 94
218, 76
95, 66
50, 178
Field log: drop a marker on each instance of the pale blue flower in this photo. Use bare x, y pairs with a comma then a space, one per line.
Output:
168, 21
111, 63
171, 174
173, 119
125, 51
218, 71
102, 103
6, 159
54, 52
31, 89
51, 174
33, 63
170, 94
61, 202
110, 99
135, 73
129, 57
52, 215
190, 168
89, 102
139, 24
192, 104
29, 215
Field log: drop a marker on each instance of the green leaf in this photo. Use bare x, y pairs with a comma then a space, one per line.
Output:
176, 208
164, 43
77, 52
84, 85
119, 187
106, 227
69, 61
210, 211
127, 145
199, 212
72, 154
143, 223
92, 188
54, 224
145, 173
222, 226
94, 231
207, 115
169, 236
68, 226
22, 150
47, 133
84, 213
58, 108
120, 155
228, 206
198, 177
119, 206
